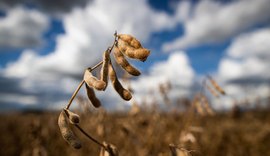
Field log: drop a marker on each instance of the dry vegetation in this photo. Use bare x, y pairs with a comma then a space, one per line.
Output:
144, 134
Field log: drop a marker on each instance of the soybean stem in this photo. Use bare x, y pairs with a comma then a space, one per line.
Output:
88, 136
74, 94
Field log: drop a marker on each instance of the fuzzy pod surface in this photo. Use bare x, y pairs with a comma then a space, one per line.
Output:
121, 60
124, 93
66, 132
92, 81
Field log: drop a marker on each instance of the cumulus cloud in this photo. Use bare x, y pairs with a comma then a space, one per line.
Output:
85, 40
254, 44
244, 69
22, 28
48, 6
213, 22
248, 56
176, 70
19, 93
88, 32
183, 10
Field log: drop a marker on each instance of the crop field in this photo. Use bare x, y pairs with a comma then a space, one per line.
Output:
141, 134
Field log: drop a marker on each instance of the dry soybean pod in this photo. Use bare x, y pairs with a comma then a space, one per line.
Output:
212, 91
92, 81
105, 68
122, 46
177, 151
130, 40
139, 54
125, 94
206, 105
73, 117
92, 96
121, 60
66, 132
216, 86
198, 105
110, 150
125, 37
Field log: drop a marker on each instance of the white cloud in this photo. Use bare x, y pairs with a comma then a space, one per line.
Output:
22, 28
23, 99
48, 6
176, 70
212, 22
231, 69
248, 57
244, 69
88, 32
21, 67
255, 44
183, 10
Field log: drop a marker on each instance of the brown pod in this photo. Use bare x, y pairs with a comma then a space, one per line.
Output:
207, 106
73, 117
125, 94
212, 91
216, 86
177, 151
199, 108
125, 37
198, 105
130, 40
110, 150
66, 132
121, 60
140, 54
105, 68
92, 96
92, 81
122, 46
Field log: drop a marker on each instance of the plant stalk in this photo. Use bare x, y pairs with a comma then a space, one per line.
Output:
74, 94
88, 136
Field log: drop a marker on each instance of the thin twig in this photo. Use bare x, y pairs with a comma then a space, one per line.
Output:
74, 94
93, 68
88, 136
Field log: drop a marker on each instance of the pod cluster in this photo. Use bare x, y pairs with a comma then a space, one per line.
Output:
123, 46
126, 46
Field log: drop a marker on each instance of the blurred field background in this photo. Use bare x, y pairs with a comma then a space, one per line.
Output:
140, 132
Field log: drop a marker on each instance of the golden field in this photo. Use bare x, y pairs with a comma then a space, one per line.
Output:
145, 133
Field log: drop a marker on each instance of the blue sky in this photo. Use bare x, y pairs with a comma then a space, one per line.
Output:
45, 46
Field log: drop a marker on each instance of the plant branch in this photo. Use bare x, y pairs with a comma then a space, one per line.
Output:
91, 138
74, 94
